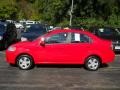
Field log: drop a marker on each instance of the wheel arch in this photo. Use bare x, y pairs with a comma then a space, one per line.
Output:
23, 54
95, 55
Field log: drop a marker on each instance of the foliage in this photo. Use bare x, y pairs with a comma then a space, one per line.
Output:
56, 12
8, 9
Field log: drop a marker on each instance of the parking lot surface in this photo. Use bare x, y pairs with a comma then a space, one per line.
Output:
59, 77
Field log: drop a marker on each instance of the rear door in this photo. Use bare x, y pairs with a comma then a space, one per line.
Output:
79, 47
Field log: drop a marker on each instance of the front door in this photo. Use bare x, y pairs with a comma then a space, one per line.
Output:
56, 48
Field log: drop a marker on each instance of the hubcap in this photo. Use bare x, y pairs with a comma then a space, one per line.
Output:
93, 63
24, 62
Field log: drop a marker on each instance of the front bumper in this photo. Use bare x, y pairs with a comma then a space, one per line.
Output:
11, 57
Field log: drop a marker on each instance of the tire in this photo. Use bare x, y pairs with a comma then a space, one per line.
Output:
92, 63
25, 62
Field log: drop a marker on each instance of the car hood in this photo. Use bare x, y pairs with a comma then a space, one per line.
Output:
24, 44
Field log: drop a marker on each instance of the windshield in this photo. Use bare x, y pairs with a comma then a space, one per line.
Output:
38, 38
108, 32
2, 29
36, 29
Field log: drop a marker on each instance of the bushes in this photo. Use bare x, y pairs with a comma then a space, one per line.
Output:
113, 21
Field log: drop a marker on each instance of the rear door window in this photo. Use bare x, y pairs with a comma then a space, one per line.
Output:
79, 38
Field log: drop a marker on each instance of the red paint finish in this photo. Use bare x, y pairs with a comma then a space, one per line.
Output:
72, 51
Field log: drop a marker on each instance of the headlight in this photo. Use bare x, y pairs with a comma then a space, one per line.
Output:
1, 37
12, 48
23, 39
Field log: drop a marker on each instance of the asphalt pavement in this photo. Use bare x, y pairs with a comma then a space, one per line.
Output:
59, 77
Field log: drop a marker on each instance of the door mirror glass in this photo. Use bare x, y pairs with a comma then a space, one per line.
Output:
42, 41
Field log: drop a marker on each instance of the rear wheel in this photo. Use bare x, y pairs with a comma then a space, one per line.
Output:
25, 62
92, 63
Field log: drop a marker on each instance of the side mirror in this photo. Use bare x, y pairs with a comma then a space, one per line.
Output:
42, 41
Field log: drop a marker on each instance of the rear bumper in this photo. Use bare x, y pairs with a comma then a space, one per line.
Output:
109, 57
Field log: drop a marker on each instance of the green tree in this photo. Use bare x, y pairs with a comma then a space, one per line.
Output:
8, 9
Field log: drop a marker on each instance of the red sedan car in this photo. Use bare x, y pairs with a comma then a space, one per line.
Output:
62, 47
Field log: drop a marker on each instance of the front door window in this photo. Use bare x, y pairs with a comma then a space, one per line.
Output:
57, 38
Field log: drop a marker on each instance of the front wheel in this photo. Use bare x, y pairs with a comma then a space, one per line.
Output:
92, 63
25, 62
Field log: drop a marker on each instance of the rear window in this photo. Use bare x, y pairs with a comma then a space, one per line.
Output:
76, 38
107, 32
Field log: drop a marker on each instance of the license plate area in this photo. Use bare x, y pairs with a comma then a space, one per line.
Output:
117, 47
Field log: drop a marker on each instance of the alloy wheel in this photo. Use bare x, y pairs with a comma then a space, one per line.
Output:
25, 62
92, 63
